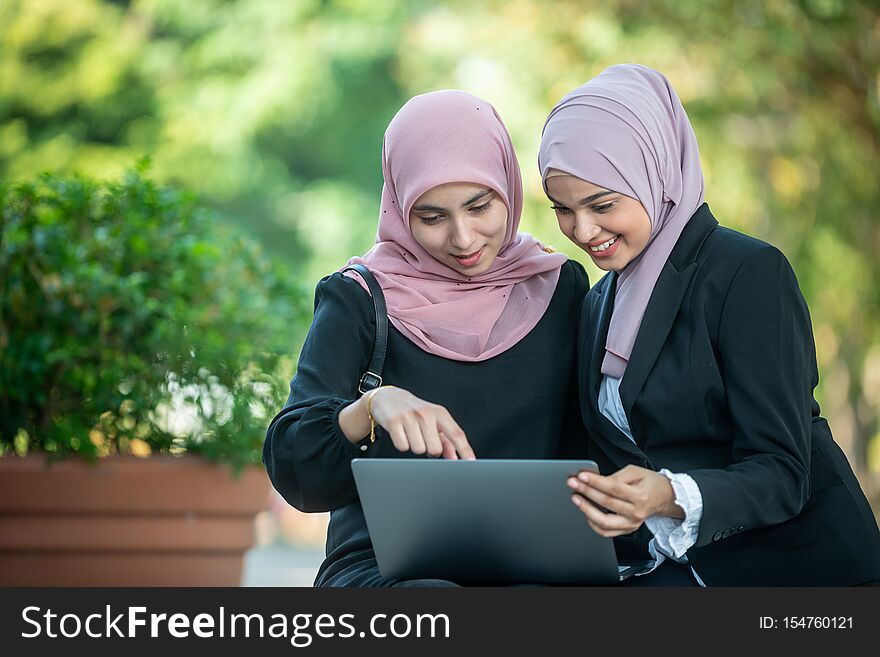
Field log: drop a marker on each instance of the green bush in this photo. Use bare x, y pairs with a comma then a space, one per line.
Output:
132, 321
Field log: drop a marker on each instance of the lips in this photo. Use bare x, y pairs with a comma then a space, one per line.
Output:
469, 259
597, 245
604, 249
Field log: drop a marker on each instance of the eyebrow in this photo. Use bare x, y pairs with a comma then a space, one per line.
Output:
587, 200
437, 208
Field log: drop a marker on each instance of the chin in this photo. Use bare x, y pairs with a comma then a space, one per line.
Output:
470, 273
607, 265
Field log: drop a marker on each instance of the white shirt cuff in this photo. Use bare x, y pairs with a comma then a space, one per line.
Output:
675, 537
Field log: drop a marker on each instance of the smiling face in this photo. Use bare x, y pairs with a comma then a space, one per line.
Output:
611, 227
460, 224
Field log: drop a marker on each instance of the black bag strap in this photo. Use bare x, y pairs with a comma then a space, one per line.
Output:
372, 378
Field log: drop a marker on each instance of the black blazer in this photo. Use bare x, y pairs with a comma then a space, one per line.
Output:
720, 386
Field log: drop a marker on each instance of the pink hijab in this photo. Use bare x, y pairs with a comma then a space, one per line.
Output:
443, 137
626, 130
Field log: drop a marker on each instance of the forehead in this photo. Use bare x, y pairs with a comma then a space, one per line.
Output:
452, 194
569, 187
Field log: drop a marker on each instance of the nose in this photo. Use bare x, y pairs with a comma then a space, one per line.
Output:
584, 228
462, 235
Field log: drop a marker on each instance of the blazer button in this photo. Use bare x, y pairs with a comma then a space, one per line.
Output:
717, 536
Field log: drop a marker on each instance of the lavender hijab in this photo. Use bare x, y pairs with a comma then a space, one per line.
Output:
444, 137
626, 130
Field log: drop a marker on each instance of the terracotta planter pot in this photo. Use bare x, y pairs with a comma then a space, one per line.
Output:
126, 521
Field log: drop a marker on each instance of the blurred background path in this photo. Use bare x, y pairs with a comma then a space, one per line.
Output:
280, 564
289, 547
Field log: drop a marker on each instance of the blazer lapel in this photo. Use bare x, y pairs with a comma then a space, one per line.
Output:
663, 307
656, 324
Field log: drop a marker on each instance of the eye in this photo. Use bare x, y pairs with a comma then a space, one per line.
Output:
561, 209
430, 221
603, 208
478, 209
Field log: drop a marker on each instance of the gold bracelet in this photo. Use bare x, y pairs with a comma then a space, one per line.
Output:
371, 394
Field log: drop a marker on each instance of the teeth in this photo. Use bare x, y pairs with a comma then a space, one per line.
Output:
604, 245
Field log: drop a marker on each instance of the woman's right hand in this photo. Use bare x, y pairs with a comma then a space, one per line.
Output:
414, 424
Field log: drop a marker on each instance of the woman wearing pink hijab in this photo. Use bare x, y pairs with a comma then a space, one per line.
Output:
697, 362
480, 357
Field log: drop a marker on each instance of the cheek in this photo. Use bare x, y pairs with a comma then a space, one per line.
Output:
643, 235
429, 240
498, 222
566, 225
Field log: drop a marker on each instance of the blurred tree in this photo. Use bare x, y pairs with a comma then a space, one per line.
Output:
274, 112
263, 107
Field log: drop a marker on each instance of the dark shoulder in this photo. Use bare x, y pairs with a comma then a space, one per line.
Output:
573, 276
344, 295
739, 271
728, 249
728, 254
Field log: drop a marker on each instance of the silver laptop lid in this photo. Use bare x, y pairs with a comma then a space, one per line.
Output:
484, 521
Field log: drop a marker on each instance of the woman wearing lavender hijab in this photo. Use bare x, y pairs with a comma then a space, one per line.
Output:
697, 362
481, 348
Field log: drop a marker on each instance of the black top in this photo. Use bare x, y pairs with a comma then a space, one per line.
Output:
521, 403
720, 386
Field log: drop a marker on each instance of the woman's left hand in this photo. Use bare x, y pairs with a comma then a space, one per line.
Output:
619, 503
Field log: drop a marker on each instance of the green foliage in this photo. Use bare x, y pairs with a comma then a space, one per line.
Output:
131, 320
247, 103
273, 112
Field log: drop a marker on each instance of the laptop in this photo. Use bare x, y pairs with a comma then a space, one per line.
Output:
481, 522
